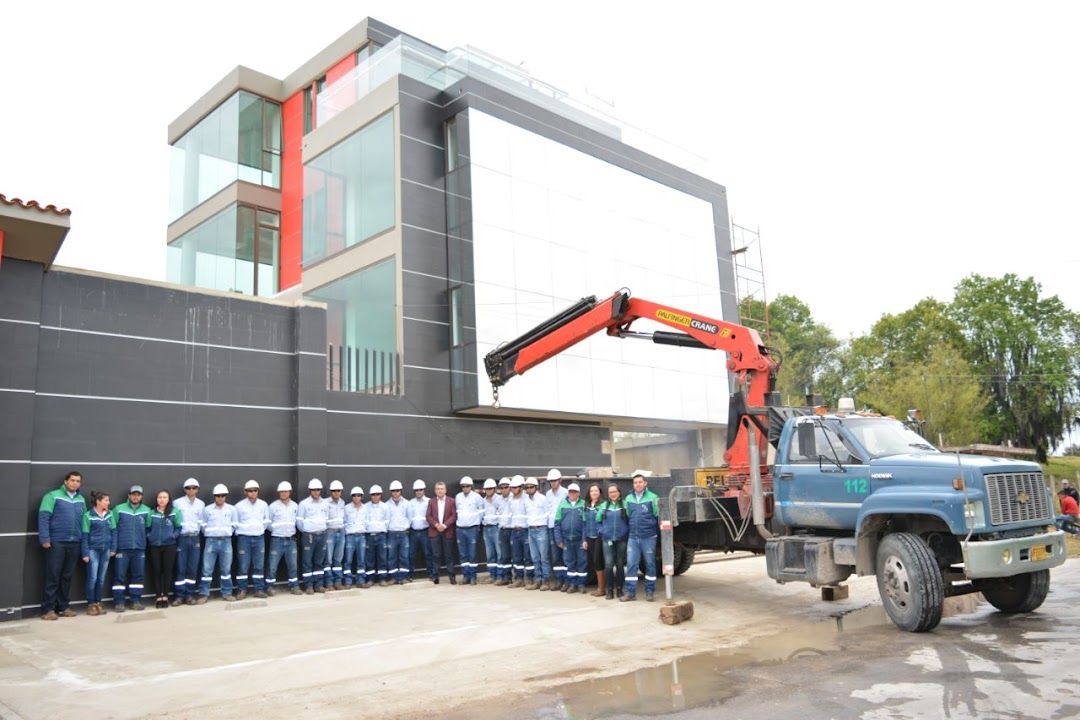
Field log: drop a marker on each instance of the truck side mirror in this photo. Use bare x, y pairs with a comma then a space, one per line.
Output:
807, 446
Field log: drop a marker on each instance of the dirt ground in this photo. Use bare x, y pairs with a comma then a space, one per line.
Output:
406, 652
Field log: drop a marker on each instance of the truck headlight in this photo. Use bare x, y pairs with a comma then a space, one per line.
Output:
974, 517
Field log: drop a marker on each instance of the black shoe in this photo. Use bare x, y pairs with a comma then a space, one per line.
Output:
610, 594
435, 580
453, 580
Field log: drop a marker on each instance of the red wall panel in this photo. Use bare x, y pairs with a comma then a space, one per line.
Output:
292, 191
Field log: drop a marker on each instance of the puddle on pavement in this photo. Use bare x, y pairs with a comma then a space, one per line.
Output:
695, 680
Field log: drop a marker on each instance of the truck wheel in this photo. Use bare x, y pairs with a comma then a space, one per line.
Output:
909, 582
1019, 593
684, 558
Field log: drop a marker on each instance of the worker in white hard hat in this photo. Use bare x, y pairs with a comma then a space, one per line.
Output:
536, 508
441, 517
419, 542
188, 548
377, 564
555, 495
570, 537
489, 525
311, 520
333, 575
506, 567
252, 521
397, 535
519, 533
283, 539
470, 509
355, 540
219, 524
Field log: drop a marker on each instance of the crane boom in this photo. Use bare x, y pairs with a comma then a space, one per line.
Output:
749, 360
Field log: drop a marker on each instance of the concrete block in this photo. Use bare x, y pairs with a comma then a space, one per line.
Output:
674, 612
246, 605
834, 592
14, 628
133, 616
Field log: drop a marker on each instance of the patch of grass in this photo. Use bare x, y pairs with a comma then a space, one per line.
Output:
1062, 468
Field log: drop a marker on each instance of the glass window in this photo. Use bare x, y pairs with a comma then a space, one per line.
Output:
237, 250
362, 329
239, 140
367, 51
349, 191
308, 114
457, 334
451, 144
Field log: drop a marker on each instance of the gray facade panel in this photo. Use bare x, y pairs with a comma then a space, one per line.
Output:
423, 252
423, 207
20, 291
422, 163
20, 350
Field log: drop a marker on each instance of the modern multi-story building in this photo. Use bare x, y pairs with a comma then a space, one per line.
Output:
439, 203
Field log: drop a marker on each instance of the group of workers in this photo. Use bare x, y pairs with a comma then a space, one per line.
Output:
548, 541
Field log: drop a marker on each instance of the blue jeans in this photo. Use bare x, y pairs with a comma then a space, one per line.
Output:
519, 546
282, 547
558, 565
95, 575
506, 566
378, 557
635, 550
187, 565
250, 554
60, 562
419, 541
397, 554
312, 558
615, 564
491, 551
335, 552
217, 551
467, 539
128, 574
538, 546
576, 562
355, 550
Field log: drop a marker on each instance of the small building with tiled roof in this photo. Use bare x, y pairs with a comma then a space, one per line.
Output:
32, 231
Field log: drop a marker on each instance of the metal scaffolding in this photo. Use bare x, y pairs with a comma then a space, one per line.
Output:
749, 265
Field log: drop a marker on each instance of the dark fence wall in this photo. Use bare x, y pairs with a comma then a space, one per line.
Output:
132, 382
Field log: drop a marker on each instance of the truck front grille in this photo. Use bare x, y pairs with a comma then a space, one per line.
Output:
1016, 497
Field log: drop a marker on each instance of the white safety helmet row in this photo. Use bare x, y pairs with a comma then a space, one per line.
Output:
376, 490
220, 489
419, 485
336, 485
251, 485
574, 487
357, 491
314, 484
466, 480
395, 485
554, 474
489, 484
284, 486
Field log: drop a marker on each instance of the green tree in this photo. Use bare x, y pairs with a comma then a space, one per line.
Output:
1025, 350
941, 386
807, 347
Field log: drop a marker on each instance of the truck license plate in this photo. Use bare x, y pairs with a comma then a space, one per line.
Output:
1038, 553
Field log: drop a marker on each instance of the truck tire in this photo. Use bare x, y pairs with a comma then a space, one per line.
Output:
1019, 593
684, 558
909, 582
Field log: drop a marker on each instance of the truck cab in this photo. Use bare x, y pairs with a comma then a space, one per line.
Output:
864, 494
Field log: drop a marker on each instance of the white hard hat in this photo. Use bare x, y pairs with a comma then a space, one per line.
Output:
191, 482
315, 484
284, 486
554, 474
395, 485
466, 480
489, 483
504, 481
419, 485
220, 489
376, 490
531, 481
336, 485
518, 481
357, 491
251, 484
574, 487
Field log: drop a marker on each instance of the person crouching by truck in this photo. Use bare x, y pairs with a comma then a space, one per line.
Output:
614, 530
1069, 510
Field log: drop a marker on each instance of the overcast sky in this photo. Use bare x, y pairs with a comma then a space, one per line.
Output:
885, 150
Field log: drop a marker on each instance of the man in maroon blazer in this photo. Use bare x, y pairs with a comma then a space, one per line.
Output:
441, 517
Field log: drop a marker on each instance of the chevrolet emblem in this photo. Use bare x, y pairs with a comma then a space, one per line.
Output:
1022, 497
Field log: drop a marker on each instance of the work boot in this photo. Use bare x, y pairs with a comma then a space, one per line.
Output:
649, 597
260, 594
309, 590
572, 590
190, 601
628, 598
565, 587
51, 615
517, 583
488, 581
339, 586
91, 610
366, 585
384, 583
201, 600
553, 585
229, 598
177, 602
532, 586
295, 591
601, 582
270, 591
609, 593
500, 582
136, 606
241, 595
321, 589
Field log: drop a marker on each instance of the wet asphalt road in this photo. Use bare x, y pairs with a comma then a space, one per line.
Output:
979, 664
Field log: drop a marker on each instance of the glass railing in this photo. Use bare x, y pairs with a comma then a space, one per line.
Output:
410, 57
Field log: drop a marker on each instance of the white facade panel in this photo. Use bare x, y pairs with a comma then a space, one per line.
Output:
552, 225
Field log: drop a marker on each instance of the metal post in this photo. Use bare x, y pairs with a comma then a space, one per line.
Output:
667, 547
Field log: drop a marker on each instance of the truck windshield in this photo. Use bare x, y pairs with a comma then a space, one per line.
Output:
882, 437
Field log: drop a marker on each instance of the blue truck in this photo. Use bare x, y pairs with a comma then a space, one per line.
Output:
829, 495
